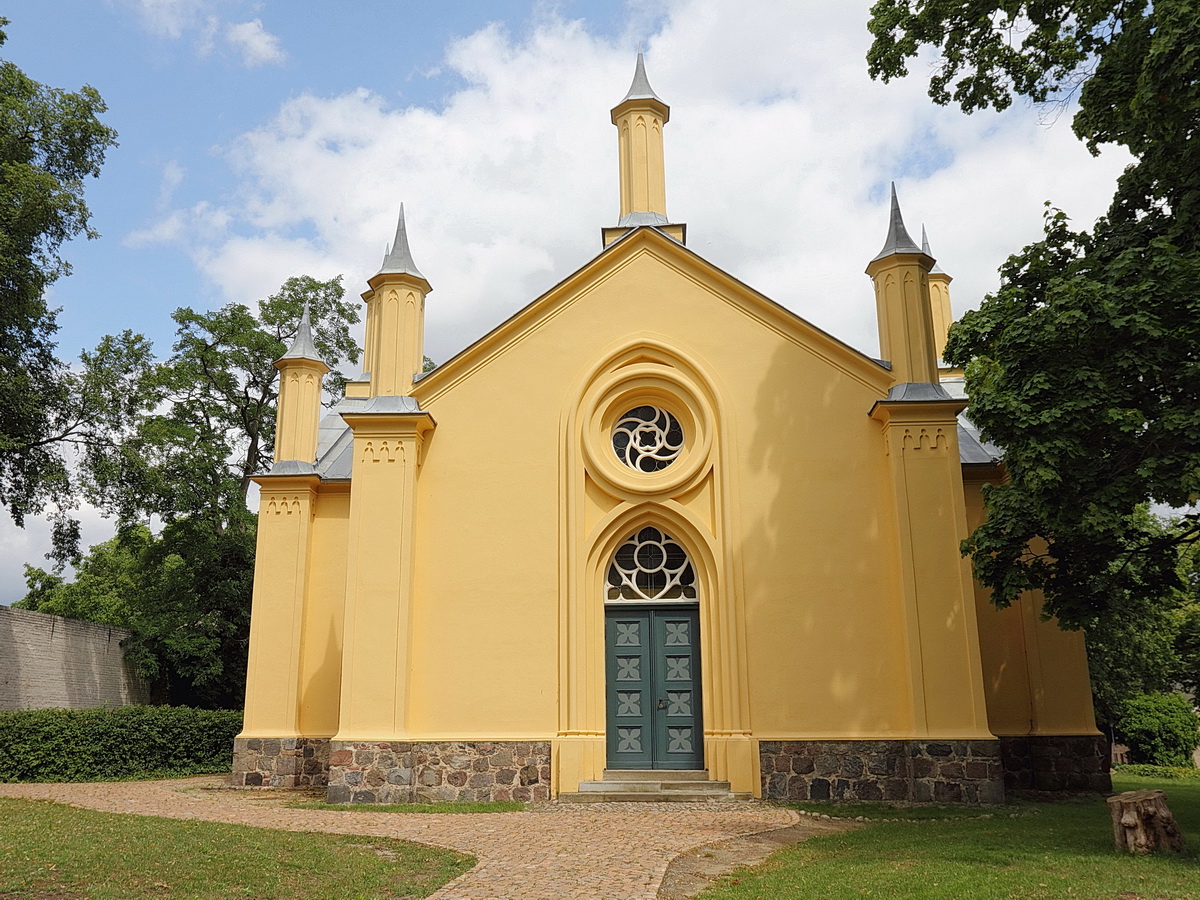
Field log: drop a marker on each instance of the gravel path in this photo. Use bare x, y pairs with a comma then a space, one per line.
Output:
602, 851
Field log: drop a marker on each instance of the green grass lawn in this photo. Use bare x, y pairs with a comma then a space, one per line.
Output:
52, 851
1059, 850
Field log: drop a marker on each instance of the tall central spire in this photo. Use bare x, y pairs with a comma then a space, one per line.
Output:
640, 118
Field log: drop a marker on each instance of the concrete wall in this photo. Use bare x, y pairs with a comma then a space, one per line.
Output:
51, 662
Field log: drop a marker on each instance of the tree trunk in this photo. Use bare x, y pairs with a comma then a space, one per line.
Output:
1141, 822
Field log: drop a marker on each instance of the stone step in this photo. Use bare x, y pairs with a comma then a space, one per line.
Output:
718, 787
655, 775
650, 797
721, 787
652, 786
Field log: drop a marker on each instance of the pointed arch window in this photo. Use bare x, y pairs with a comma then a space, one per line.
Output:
651, 565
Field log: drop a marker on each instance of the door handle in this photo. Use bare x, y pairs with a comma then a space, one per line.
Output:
662, 704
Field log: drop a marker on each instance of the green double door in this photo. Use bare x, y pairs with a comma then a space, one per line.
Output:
652, 665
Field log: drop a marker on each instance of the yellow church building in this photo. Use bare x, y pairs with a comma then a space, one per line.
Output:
653, 536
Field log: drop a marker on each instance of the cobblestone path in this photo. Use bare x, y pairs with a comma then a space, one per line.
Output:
603, 851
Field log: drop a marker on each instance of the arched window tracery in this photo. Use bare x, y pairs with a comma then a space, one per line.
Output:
650, 566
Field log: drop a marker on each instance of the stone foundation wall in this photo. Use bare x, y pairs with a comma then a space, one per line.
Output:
1056, 763
903, 771
280, 762
402, 772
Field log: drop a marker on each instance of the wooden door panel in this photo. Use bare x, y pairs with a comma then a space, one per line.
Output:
628, 664
653, 688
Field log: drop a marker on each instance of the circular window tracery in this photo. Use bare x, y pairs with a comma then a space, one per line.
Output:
647, 438
650, 566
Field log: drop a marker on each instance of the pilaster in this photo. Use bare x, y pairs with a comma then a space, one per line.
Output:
921, 440
285, 520
389, 436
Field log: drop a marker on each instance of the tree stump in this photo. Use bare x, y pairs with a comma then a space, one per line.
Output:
1142, 822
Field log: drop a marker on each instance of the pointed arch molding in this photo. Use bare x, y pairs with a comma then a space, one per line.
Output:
603, 502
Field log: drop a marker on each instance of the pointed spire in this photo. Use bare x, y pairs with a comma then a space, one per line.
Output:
303, 346
399, 258
640, 89
936, 270
898, 238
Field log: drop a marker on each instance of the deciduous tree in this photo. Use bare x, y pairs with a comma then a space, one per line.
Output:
1085, 364
50, 141
178, 441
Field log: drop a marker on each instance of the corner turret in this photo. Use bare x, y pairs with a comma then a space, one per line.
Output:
900, 272
939, 306
300, 372
640, 118
395, 338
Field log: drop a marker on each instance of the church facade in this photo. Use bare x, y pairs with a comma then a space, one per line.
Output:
654, 525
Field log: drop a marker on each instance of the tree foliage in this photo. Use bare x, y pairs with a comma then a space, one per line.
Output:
1187, 635
201, 423
1160, 729
178, 441
50, 141
184, 594
1152, 645
1084, 365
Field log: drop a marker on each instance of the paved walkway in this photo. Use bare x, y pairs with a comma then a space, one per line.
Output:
603, 851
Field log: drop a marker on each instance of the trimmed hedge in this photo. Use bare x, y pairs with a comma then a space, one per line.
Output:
125, 742
1160, 729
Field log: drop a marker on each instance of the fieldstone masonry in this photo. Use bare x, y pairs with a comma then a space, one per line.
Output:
1057, 763
401, 772
280, 762
907, 771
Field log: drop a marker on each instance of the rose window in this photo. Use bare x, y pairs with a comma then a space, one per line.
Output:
647, 438
650, 566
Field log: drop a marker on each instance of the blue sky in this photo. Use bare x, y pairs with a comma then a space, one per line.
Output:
178, 93
260, 140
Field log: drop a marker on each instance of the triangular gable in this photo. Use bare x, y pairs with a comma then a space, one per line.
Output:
647, 239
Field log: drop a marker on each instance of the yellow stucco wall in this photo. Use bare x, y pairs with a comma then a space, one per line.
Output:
1035, 674
321, 662
818, 602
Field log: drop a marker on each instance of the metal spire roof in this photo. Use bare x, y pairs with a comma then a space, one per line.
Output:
398, 259
898, 238
936, 270
640, 89
303, 346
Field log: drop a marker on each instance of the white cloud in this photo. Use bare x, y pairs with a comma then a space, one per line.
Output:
170, 18
779, 151
249, 41
197, 226
257, 46
30, 544
172, 176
